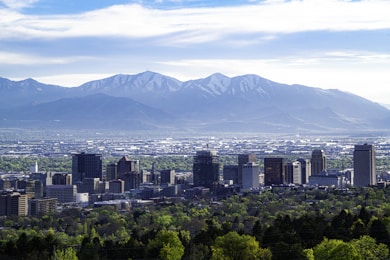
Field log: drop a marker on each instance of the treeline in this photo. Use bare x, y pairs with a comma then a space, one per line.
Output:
178, 163
64, 164
278, 224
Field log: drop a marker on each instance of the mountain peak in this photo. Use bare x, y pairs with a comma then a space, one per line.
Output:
215, 84
217, 75
247, 102
145, 82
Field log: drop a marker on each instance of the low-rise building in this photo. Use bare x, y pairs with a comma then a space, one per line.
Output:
64, 193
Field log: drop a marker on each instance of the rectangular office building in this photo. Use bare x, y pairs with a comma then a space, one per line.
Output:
364, 165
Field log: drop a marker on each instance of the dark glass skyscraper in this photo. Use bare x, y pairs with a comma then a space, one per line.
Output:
274, 171
206, 169
111, 172
129, 171
230, 172
167, 176
364, 165
86, 165
318, 162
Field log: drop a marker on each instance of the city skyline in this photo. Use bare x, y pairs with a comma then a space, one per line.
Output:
276, 171
326, 44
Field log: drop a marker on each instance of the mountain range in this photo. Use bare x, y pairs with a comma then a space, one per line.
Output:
152, 101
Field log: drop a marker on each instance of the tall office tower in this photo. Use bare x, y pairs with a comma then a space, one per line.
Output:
89, 185
39, 207
116, 186
126, 165
129, 171
34, 168
13, 204
62, 179
154, 176
86, 165
5, 185
32, 188
289, 172
294, 172
250, 176
111, 171
48, 179
274, 171
318, 162
305, 169
38, 189
230, 173
349, 175
364, 165
206, 169
132, 180
167, 176
243, 159
149, 177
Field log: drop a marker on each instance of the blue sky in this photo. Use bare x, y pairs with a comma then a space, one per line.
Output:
320, 43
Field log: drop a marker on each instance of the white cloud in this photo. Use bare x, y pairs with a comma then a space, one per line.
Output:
16, 4
362, 57
205, 24
71, 80
9, 58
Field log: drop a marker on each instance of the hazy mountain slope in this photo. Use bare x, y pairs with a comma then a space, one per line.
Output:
28, 91
217, 102
96, 110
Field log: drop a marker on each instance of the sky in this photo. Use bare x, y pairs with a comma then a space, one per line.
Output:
329, 44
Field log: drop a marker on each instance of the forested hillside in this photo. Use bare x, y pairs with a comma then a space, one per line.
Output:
278, 224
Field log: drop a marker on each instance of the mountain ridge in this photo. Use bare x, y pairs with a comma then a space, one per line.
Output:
245, 103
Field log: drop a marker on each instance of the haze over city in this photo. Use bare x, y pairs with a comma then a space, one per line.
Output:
327, 44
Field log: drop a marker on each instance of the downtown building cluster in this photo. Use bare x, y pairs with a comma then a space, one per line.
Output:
125, 185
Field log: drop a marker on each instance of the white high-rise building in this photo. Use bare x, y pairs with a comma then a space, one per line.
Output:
34, 168
250, 176
296, 172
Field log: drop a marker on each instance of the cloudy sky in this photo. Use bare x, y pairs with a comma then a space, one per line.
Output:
320, 43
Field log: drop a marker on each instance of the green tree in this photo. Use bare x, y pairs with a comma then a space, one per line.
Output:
89, 248
283, 239
232, 246
257, 231
164, 221
166, 245
66, 254
197, 251
309, 254
358, 229
367, 247
341, 226
379, 231
335, 249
